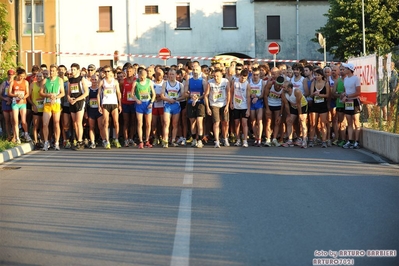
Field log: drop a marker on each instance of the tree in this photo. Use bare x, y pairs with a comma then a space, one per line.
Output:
343, 30
8, 48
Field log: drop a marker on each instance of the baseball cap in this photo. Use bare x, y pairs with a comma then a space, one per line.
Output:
11, 72
350, 66
91, 66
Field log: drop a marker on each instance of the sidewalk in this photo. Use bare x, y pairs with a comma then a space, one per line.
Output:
15, 152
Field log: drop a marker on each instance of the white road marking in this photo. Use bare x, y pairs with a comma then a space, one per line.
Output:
181, 246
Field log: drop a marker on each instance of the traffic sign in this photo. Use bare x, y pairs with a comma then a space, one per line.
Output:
164, 53
273, 48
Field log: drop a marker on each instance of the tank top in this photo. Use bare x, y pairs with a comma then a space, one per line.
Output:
127, 95
256, 88
292, 99
217, 93
274, 97
76, 86
4, 93
109, 92
158, 89
320, 101
195, 87
52, 86
340, 89
240, 95
92, 98
172, 92
19, 88
143, 92
298, 84
36, 98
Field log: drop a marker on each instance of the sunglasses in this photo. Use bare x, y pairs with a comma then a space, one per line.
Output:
238, 68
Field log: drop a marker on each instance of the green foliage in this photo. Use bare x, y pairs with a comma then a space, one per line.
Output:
8, 48
343, 29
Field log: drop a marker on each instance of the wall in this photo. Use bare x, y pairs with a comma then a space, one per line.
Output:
382, 143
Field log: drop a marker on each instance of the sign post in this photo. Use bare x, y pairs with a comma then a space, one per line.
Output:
164, 53
274, 49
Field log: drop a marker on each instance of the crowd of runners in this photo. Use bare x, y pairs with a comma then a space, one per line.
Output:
192, 104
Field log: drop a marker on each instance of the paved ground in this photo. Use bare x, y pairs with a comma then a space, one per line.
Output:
184, 206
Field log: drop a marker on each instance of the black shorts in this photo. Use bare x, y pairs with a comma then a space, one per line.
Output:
65, 110
356, 108
183, 105
340, 109
78, 106
110, 107
218, 114
38, 114
294, 111
274, 108
240, 113
319, 108
93, 113
198, 110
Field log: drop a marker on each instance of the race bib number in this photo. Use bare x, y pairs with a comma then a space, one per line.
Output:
130, 97
144, 96
318, 99
274, 95
172, 94
238, 99
349, 105
217, 95
255, 91
108, 92
39, 103
74, 88
93, 103
6, 91
195, 95
48, 100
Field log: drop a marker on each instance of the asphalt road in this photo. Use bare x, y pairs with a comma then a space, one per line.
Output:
186, 206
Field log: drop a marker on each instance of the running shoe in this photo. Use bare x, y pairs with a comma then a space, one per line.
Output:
238, 143
288, 143
217, 144
324, 144
184, 142
194, 143
245, 144
155, 142
18, 141
355, 145
107, 145
226, 142
57, 146
67, 145
341, 143
304, 144
298, 142
180, 140
347, 145
335, 142
45, 147
80, 146
275, 143
164, 144
311, 144
148, 144
126, 144
200, 144
27, 137
92, 146
141, 145
205, 139
328, 143
267, 143
174, 144
116, 143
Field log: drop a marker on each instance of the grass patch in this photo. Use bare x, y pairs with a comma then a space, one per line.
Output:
5, 145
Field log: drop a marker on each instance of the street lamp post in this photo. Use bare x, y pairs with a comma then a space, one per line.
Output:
363, 29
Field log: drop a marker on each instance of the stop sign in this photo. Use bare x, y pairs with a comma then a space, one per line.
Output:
274, 48
164, 53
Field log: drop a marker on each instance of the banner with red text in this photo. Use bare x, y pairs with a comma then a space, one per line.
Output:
366, 70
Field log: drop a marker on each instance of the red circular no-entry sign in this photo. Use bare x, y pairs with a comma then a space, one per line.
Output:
164, 53
273, 48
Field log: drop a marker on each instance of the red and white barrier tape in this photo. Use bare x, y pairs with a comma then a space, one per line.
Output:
173, 57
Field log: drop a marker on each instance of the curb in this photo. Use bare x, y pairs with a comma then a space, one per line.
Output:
15, 152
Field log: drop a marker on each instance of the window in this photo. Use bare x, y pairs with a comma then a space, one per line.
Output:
183, 16
105, 18
273, 27
38, 15
151, 10
229, 15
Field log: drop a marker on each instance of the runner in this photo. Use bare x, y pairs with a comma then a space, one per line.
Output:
93, 112
144, 95
158, 108
67, 132
129, 107
52, 91
109, 97
6, 102
217, 98
19, 90
257, 105
240, 103
77, 93
37, 102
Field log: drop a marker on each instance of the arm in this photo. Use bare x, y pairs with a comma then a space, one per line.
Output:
298, 96
163, 97
232, 95
266, 92
118, 96
99, 93
85, 90
228, 97
206, 99
29, 99
10, 90
306, 87
248, 99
